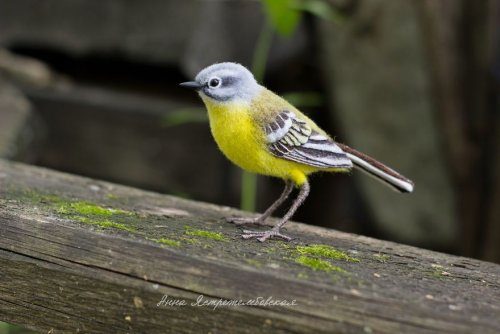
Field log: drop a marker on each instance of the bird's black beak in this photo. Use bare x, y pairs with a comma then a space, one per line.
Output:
191, 85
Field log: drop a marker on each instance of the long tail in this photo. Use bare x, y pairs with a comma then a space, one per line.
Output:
378, 170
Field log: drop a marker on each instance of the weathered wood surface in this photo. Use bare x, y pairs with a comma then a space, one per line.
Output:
70, 264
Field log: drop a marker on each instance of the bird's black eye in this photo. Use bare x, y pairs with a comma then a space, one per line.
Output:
214, 82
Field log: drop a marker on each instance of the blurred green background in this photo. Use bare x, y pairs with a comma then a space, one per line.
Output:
12, 329
91, 88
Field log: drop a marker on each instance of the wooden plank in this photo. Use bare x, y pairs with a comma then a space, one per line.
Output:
83, 255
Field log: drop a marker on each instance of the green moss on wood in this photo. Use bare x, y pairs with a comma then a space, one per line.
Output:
36, 197
383, 258
87, 208
112, 196
317, 264
104, 223
190, 240
82, 211
205, 234
325, 252
438, 272
168, 242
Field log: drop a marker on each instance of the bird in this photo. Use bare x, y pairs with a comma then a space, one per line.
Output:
262, 133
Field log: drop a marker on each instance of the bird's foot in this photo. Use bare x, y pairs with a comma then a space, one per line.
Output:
245, 221
263, 236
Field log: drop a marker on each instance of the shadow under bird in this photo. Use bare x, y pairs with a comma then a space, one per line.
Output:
262, 133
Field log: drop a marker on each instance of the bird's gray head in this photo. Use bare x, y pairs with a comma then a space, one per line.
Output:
225, 82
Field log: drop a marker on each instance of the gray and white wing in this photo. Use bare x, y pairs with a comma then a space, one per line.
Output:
291, 138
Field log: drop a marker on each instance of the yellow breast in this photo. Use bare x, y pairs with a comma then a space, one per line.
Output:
235, 134
242, 141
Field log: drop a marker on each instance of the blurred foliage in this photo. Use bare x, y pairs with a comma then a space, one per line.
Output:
319, 8
6, 328
283, 15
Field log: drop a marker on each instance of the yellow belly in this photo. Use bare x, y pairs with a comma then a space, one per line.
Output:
243, 142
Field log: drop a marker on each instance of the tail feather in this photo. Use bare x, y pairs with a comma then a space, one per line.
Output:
378, 170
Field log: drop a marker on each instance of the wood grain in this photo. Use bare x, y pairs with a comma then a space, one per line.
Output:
62, 273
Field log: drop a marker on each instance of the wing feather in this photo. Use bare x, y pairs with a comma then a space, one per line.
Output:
293, 139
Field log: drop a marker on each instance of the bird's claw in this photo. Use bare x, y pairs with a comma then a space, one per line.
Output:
244, 221
263, 236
